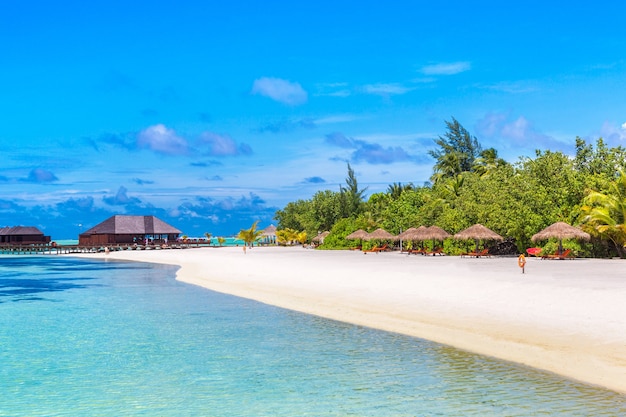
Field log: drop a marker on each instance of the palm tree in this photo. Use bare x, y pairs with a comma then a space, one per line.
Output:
221, 240
456, 153
397, 188
487, 162
605, 213
352, 196
251, 235
208, 237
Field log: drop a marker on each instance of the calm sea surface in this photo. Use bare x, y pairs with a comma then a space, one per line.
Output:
98, 338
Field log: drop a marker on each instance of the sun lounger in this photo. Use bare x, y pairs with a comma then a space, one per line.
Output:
377, 249
565, 255
482, 253
437, 251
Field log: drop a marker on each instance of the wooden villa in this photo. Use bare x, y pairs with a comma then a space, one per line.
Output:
121, 229
22, 235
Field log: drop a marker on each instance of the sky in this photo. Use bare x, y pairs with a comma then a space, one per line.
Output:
212, 115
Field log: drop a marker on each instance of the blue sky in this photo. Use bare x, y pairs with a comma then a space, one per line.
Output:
211, 115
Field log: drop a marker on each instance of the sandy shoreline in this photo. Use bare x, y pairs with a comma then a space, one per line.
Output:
566, 317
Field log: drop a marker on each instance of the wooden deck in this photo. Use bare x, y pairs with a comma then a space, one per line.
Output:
48, 249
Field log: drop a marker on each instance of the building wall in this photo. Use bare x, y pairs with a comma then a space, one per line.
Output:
24, 239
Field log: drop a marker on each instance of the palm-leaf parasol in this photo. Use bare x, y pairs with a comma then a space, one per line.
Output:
380, 234
477, 232
359, 234
320, 238
435, 233
560, 230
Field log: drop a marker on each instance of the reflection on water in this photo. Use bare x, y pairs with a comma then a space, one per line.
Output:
127, 339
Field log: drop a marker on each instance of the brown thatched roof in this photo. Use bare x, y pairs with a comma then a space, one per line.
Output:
407, 234
320, 237
560, 230
359, 234
435, 232
479, 232
381, 234
20, 231
132, 225
269, 231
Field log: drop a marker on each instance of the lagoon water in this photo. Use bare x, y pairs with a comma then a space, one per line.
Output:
102, 338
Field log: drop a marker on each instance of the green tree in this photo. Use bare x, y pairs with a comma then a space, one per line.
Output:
221, 240
251, 235
599, 161
292, 216
396, 189
457, 152
605, 213
487, 162
352, 195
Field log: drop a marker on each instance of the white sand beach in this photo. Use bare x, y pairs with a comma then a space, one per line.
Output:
566, 317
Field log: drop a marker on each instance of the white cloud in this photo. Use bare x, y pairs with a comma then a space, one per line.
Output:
385, 89
223, 145
450, 68
612, 133
283, 91
516, 87
161, 139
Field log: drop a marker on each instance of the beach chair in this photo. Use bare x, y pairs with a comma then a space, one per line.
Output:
375, 249
533, 251
567, 254
437, 251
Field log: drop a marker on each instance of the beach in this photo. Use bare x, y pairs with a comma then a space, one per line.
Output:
567, 317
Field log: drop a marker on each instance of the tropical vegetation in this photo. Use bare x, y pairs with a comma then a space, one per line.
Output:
472, 185
251, 235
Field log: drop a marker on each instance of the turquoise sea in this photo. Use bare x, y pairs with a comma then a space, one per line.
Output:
106, 338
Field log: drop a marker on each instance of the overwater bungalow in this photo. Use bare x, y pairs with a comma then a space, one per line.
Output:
22, 235
122, 229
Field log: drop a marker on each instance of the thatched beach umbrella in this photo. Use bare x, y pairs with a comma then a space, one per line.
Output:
477, 232
320, 237
359, 234
436, 233
380, 234
412, 233
560, 230
407, 234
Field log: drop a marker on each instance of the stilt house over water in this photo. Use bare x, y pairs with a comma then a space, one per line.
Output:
22, 235
122, 229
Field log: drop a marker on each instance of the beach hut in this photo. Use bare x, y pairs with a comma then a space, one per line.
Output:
22, 235
269, 235
561, 230
122, 229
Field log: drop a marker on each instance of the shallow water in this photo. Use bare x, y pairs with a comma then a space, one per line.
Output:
104, 338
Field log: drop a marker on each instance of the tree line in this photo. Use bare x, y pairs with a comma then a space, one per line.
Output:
472, 185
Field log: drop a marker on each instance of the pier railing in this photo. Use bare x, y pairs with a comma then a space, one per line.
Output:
55, 249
